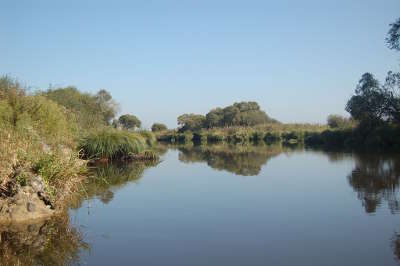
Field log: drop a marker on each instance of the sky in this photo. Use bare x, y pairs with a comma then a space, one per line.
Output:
300, 60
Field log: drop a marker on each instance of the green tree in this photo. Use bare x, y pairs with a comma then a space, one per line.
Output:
338, 121
158, 127
370, 102
392, 90
129, 121
214, 118
191, 122
238, 114
92, 111
393, 38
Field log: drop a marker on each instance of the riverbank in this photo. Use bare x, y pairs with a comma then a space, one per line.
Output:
47, 140
270, 133
377, 138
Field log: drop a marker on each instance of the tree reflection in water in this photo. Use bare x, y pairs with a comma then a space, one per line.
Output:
376, 179
105, 179
245, 160
52, 242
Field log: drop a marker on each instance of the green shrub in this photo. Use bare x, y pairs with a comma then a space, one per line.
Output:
112, 144
148, 136
156, 127
214, 137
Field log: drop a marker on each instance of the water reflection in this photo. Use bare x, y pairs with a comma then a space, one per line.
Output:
375, 178
52, 242
106, 179
396, 246
245, 160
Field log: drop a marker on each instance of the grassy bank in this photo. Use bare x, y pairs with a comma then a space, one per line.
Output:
47, 138
272, 133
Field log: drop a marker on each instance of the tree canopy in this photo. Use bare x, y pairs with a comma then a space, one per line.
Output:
238, 114
393, 37
92, 110
338, 121
369, 102
376, 103
129, 121
191, 122
158, 127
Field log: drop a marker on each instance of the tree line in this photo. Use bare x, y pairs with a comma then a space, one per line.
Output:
238, 114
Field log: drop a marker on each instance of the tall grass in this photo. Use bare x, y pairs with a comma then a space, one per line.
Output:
113, 144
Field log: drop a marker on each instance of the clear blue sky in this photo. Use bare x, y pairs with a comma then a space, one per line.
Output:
299, 59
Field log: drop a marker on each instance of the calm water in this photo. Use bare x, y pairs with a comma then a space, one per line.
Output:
229, 206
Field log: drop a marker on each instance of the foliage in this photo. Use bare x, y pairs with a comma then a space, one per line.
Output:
92, 111
246, 114
393, 38
156, 127
149, 137
338, 121
129, 121
35, 115
37, 137
112, 144
370, 101
191, 122
238, 114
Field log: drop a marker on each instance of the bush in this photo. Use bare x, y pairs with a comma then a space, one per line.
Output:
149, 137
112, 144
129, 121
338, 121
157, 127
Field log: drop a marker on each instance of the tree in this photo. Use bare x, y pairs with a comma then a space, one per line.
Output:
107, 106
214, 118
370, 102
191, 122
158, 127
393, 38
338, 121
238, 114
129, 121
91, 110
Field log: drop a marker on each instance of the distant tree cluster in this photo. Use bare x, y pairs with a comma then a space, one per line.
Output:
238, 114
156, 127
191, 122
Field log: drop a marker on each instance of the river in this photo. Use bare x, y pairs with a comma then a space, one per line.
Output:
226, 205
